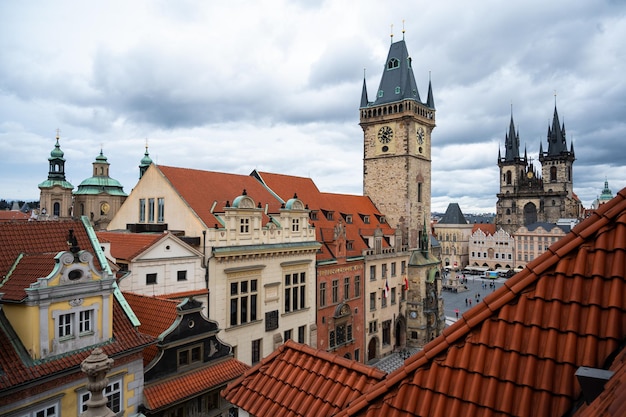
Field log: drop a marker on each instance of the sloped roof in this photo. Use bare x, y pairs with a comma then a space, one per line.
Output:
200, 189
298, 380
13, 215
286, 186
488, 228
38, 238
17, 368
128, 246
163, 394
453, 215
612, 400
516, 353
152, 324
28, 249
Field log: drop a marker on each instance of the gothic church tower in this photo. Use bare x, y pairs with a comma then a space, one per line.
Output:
528, 195
397, 129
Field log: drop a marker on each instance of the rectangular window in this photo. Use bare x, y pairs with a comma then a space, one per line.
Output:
373, 326
357, 355
393, 295
181, 276
48, 411
384, 270
335, 291
387, 332
142, 210
372, 301
85, 323
419, 192
66, 325
301, 333
243, 301
295, 225
151, 210
295, 291
151, 279
403, 267
322, 300
256, 350
357, 286
346, 288
161, 210
383, 300
287, 335
244, 225
113, 393
189, 356
372, 272
393, 269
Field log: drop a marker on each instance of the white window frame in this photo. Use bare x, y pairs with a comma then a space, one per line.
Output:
113, 388
85, 322
65, 326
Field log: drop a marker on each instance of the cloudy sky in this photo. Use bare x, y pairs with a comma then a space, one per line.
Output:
275, 86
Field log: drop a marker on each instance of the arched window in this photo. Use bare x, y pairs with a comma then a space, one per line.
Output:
56, 209
508, 178
552, 174
530, 214
393, 63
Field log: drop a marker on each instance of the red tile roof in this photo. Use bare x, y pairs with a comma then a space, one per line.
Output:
357, 206
152, 324
612, 400
201, 188
297, 380
488, 228
17, 368
37, 238
13, 215
516, 353
163, 394
127, 246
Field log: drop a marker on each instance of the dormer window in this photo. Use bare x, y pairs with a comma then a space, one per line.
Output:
366, 219
244, 225
393, 63
397, 90
348, 218
313, 215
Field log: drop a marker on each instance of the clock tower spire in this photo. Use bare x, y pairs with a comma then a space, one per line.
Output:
397, 129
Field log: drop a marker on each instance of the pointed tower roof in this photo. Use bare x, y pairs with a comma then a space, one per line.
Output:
398, 81
453, 215
511, 143
364, 100
556, 136
430, 101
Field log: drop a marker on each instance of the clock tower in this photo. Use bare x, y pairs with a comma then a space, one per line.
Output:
397, 129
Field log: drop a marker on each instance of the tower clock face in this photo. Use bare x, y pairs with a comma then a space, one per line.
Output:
385, 134
420, 135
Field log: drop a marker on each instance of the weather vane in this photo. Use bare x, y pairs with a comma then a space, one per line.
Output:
392, 33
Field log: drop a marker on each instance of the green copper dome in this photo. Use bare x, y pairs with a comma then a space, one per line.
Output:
101, 158
56, 153
100, 185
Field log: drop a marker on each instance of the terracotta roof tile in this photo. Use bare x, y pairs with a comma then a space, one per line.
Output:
163, 394
128, 246
17, 368
198, 187
37, 238
298, 380
515, 354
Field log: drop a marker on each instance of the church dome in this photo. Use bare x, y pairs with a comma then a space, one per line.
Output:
56, 153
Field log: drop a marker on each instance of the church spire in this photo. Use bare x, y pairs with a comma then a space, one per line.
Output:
364, 100
511, 142
430, 101
557, 143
